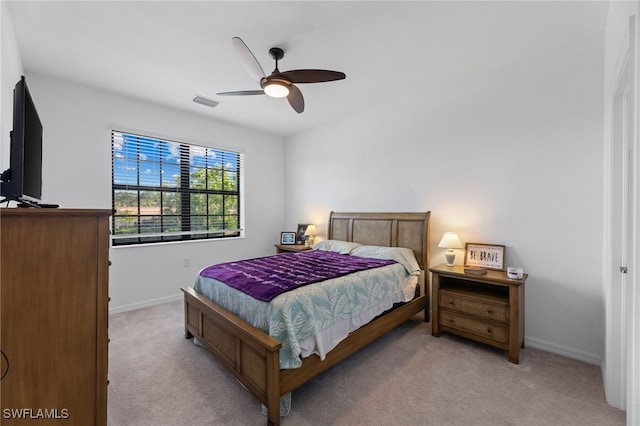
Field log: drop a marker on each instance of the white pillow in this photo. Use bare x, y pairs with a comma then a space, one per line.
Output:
402, 255
342, 247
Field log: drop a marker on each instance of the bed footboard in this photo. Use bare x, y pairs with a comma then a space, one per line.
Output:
252, 356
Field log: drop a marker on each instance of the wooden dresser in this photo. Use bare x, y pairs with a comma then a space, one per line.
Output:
54, 316
487, 308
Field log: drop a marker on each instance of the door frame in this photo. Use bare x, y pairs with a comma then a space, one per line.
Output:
621, 360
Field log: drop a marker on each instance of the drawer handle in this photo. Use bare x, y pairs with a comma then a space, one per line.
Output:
489, 311
489, 330
451, 302
451, 321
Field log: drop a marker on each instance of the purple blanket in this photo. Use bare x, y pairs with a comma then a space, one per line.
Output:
266, 277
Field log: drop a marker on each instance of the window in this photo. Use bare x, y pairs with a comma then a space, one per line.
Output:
172, 191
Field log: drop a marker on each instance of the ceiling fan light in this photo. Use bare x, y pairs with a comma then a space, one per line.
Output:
276, 90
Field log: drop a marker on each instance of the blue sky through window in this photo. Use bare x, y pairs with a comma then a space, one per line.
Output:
157, 162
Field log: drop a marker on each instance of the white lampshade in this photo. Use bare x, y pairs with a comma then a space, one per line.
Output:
450, 241
311, 231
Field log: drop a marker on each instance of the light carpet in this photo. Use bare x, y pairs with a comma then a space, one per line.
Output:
407, 377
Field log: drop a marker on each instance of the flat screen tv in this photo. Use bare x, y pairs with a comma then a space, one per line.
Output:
22, 182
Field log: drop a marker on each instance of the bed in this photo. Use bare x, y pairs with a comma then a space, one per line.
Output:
253, 356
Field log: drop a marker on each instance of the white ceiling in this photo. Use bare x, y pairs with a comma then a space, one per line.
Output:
168, 51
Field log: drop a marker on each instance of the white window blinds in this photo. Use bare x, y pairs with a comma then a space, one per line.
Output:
173, 191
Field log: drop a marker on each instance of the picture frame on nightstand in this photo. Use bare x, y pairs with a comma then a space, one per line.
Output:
288, 238
489, 256
300, 237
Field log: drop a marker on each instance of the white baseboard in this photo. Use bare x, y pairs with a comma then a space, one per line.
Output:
144, 304
563, 350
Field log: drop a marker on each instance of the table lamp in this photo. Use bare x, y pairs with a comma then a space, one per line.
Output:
450, 241
310, 233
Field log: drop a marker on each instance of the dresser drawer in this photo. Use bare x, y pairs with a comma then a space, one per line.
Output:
499, 333
485, 309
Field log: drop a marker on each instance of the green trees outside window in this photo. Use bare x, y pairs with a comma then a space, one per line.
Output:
173, 191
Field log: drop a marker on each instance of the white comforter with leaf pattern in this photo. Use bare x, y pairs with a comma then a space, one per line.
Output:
316, 317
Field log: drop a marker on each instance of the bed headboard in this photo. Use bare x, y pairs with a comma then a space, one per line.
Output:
409, 230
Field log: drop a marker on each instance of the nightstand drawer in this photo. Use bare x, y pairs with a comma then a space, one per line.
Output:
499, 333
470, 305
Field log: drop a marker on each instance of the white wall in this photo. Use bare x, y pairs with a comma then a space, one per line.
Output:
510, 156
10, 72
77, 122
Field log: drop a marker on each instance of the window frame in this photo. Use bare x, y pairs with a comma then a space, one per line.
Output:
230, 188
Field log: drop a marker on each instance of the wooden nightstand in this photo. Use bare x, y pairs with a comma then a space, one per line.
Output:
281, 248
488, 308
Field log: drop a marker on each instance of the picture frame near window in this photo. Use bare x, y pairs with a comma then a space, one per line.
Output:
288, 238
300, 237
489, 256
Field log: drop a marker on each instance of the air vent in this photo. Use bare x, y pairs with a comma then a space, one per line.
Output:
205, 101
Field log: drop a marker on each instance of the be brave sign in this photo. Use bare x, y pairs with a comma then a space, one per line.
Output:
490, 256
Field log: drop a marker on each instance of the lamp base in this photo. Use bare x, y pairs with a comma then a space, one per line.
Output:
450, 255
309, 241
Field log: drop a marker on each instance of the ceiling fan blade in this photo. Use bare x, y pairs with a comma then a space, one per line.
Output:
312, 76
295, 98
242, 93
249, 61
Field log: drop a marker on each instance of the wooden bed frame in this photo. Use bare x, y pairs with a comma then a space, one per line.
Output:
253, 356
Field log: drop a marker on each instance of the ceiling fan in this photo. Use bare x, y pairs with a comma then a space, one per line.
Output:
279, 84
